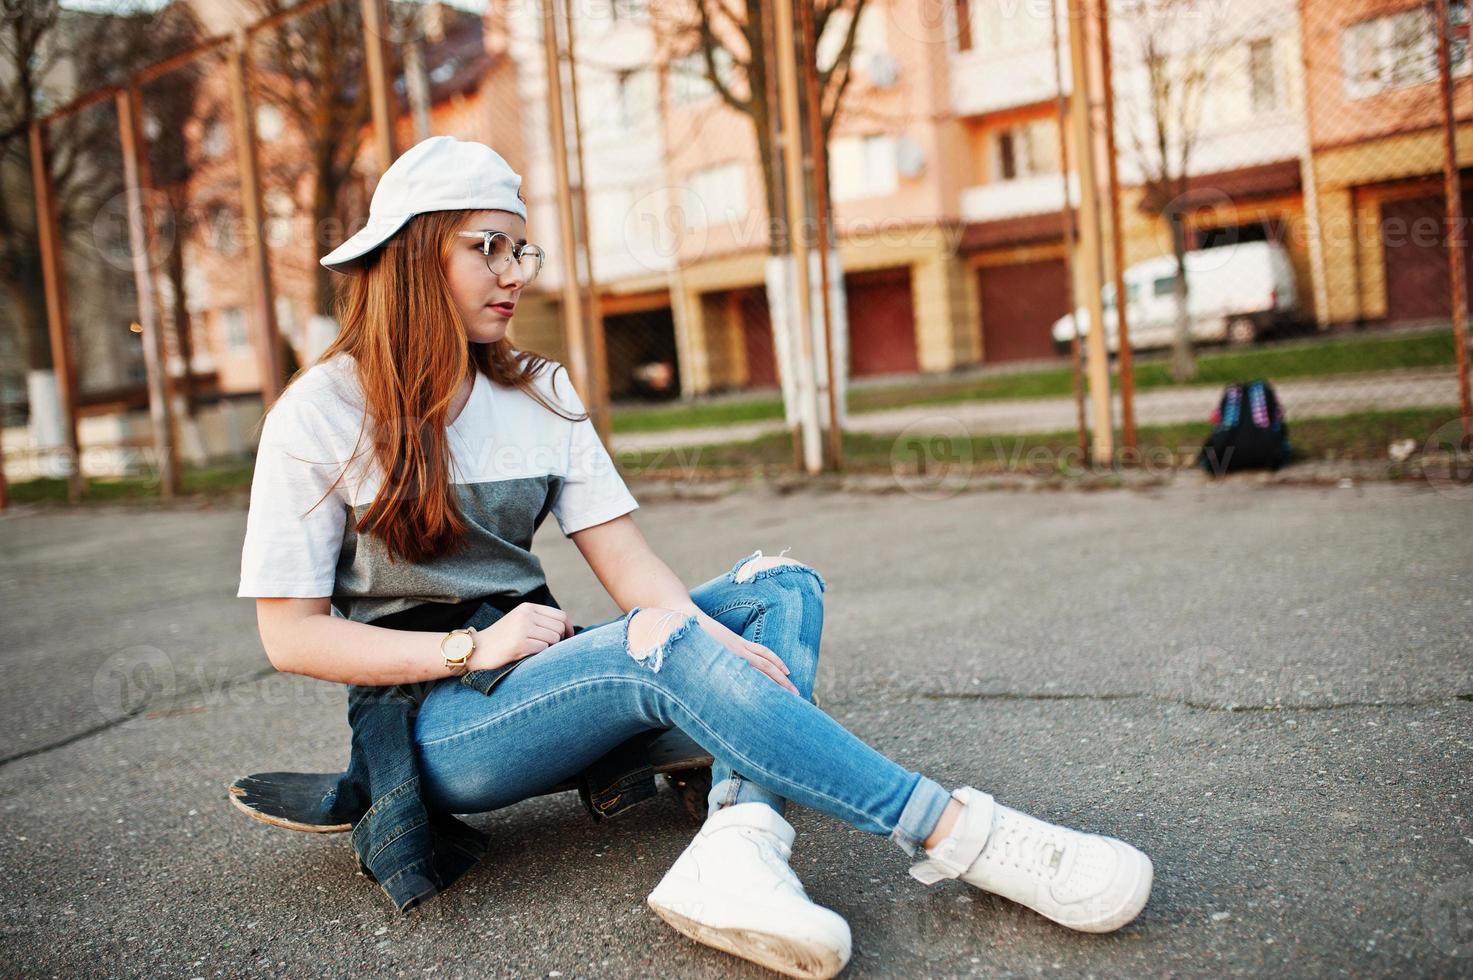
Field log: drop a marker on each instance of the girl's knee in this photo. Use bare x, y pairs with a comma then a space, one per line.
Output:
653, 634
759, 566
652, 631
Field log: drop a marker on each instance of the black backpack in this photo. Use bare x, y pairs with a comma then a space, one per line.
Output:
1248, 431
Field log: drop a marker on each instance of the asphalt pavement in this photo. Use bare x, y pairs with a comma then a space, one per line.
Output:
1269, 689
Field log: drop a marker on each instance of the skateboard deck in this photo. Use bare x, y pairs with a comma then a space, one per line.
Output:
293, 800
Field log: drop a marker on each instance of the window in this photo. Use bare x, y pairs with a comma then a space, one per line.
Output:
688, 81
280, 210
721, 192
1164, 286
1399, 50
1132, 294
1253, 231
224, 234
200, 354
286, 316
217, 139
863, 167
1011, 156
1263, 77
235, 331
607, 210
1028, 149
633, 11
269, 122
869, 38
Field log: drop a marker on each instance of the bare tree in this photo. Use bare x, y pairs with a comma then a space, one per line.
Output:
1175, 41
312, 68
173, 160
735, 43
732, 40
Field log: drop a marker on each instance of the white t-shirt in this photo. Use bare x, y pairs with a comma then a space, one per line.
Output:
513, 461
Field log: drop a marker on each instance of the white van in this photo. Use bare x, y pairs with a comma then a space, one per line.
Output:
1235, 293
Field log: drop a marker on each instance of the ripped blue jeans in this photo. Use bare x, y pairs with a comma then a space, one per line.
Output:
560, 710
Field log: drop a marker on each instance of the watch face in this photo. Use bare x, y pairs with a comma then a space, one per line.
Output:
458, 646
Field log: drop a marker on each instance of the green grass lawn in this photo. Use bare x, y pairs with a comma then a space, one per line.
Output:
1307, 359
1362, 435
194, 482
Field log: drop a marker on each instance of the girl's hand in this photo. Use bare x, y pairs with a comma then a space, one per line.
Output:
753, 653
529, 628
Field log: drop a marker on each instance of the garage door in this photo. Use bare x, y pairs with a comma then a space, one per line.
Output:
757, 338
637, 340
1020, 303
882, 326
1416, 258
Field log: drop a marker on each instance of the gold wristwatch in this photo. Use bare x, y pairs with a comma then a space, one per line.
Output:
457, 648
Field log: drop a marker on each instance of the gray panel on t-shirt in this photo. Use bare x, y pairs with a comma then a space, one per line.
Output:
496, 559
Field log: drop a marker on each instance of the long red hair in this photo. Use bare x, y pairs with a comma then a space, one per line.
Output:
413, 354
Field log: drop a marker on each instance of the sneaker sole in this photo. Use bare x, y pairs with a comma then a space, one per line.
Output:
782, 954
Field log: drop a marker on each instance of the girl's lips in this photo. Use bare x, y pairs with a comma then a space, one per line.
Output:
505, 309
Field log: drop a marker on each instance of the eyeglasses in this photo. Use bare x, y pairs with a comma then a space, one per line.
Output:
501, 252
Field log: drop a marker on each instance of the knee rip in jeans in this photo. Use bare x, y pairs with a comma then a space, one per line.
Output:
760, 565
652, 631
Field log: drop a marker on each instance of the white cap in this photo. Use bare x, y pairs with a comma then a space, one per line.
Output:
441, 173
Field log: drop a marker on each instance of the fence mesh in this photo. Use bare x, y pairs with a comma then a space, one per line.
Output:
1287, 155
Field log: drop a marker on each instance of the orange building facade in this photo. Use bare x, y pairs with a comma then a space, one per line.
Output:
945, 174
1377, 128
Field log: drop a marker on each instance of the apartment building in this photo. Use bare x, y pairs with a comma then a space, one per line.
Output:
945, 174
471, 93
893, 190
628, 195
1376, 125
678, 211
1220, 122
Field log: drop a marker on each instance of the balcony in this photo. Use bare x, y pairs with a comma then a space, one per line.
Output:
1017, 198
989, 80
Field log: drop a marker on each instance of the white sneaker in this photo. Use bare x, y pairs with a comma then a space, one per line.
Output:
732, 889
1083, 881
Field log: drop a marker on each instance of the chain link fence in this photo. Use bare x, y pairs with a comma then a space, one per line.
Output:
1287, 155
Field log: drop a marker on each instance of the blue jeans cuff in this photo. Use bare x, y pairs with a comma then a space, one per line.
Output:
736, 789
922, 812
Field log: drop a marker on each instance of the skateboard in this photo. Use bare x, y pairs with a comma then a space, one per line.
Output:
293, 800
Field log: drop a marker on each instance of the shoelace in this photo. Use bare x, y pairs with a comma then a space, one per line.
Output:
1032, 849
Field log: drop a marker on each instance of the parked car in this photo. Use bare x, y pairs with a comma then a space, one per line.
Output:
1235, 293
